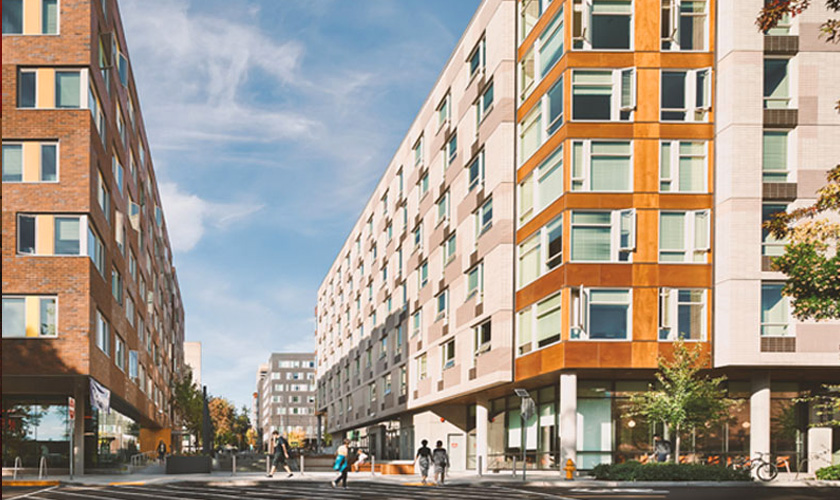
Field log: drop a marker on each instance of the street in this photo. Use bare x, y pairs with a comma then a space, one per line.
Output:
306, 489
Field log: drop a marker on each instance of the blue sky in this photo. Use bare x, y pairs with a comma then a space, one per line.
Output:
269, 124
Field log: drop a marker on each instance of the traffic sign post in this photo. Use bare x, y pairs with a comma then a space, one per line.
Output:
526, 411
71, 416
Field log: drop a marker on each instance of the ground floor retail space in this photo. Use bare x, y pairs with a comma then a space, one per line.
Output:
585, 419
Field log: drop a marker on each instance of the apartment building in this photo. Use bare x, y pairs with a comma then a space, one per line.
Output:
407, 332
89, 290
286, 395
646, 154
776, 138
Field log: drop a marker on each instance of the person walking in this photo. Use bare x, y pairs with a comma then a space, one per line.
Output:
342, 464
161, 449
281, 453
661, 448
441, 460
424, 459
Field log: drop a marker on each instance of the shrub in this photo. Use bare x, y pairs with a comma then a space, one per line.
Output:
667, 471
832, 472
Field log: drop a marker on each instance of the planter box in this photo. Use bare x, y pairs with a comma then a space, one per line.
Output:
188, 465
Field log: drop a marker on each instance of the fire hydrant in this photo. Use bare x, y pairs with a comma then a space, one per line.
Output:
570, 469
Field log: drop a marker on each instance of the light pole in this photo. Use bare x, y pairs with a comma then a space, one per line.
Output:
526, 411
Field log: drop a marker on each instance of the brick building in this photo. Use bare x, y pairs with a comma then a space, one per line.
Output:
89, 289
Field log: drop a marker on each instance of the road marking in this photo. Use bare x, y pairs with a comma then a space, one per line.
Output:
32, 493
619, 490
532, 492
128, 483
32, 483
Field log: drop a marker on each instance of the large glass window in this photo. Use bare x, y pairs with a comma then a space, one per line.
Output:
774, 164
770, 245
67, 89
684, 236
554, 107
542, 252
774, 311
26, 85
14, 314
611, 24
682, 167
684, 25
67, 236
529, 13
544, 318
31, 316
601, 166
527, 78
686, 95
600, 314
551, 44
12, 160
540, 188
682, 314
605, 95
603, 236
776, 83
530, 134
13, 17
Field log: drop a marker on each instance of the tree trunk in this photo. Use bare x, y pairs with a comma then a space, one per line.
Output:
677, 444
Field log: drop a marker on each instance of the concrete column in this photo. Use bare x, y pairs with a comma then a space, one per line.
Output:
760, 414
568, 417
482, 406
79, 394
819, 448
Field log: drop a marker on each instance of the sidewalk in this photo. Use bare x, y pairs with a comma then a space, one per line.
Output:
534, 478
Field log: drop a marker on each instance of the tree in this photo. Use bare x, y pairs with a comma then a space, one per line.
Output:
241, 426
826, 405
811, 260
775, 10
251, 438
297, 437
187, 402
222, 415
681, 400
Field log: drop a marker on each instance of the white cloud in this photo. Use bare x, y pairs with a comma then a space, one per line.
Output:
188, 215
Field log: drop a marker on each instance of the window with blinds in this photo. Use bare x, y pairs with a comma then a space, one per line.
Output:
683, 167
774, 164
684, 236
602, 165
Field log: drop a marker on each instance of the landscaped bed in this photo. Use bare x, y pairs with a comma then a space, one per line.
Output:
666, 471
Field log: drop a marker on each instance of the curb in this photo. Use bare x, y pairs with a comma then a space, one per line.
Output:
31, 483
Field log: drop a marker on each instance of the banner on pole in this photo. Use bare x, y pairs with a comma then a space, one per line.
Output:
100, 397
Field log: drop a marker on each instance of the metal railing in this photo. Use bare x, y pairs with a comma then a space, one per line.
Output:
140, 460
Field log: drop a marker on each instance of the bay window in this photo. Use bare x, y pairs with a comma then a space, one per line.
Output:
601, 314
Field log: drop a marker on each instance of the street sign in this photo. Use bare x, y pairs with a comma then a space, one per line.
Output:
528, 409
71, 409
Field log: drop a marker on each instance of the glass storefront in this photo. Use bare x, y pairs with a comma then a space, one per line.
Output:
35, 429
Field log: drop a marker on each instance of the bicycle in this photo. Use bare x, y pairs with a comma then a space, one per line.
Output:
763, 469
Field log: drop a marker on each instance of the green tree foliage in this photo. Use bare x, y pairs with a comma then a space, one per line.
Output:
222, 416
775, 10
681, 399
188, 403
826, 405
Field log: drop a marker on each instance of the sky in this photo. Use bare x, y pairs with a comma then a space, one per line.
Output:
269, 124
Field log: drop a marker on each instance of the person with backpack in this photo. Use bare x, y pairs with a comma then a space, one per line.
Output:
161, 450
342, 464
281, 453
441, 460
661, 448
424, 459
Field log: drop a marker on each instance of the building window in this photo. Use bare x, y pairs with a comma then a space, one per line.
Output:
776, 83
770, 245
553, 103
602, 166
682, 167
418, 152
542, 252
684, 236
447, 354
416, 322
403, 381
103, 334
604, 95
603, 236
103, 196
116, 285
451, 149
133, 365
483, 336
683, 25
449, 249
96, 251
51, 235
538, 190
530, 134
542, 318
774, 165
442, 305
477, 59
387, 384
551, 44
18, 20
418, 236
129, 309
383, 346
476, 171
119, 173
475, 282
444, 111
424, 185
443, 208
422, 367
372, 393
682, 314
483, 105
30, 162
30, 316
119, 352
603, 24
423, 274
774, 311
483, 218
599, 314
686, 95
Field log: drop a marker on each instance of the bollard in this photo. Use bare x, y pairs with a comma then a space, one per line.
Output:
372, 465
302, 462
267, 465
514, 466
42, 468
234, 465
479, 466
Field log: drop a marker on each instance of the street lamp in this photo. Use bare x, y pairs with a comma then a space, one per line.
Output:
526, 411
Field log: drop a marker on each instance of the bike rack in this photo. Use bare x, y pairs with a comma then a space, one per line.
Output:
42, 468
18, 466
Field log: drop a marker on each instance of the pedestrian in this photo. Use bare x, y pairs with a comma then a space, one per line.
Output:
441, 460
342, 465
281, 453
424, 459
161, 449
661, 448
360, 460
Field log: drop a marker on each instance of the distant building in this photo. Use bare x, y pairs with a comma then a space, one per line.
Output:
192, 358
286, 395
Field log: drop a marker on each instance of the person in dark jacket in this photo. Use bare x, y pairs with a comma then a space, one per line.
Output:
281, 453
661, 448
161, 449
424, 459
441, 460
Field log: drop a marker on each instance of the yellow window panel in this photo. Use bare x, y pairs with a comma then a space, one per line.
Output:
31, 161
